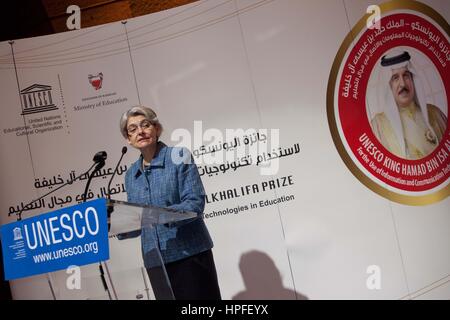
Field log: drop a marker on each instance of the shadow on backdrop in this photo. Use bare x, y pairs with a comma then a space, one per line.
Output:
262, 279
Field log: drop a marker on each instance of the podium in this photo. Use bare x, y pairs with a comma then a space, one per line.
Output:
125, 276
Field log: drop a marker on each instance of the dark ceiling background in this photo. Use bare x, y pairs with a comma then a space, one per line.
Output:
31, 18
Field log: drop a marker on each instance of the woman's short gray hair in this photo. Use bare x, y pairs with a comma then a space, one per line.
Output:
138, 111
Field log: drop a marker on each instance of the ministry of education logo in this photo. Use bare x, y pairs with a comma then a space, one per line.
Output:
96, 81
387, 103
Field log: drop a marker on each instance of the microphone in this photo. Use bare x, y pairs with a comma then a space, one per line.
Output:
99, 159
124, 150
100, 156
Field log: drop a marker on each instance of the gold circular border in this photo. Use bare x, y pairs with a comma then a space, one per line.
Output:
390, 195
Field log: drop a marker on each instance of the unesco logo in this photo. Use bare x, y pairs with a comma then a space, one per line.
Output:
37, 98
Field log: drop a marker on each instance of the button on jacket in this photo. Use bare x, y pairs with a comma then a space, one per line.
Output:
174, 184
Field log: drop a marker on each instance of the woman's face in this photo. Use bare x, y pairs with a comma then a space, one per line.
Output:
141, 132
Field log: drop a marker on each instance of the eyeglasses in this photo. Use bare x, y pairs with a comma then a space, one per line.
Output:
144, 125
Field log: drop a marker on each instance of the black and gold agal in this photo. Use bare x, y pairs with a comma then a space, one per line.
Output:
401, 62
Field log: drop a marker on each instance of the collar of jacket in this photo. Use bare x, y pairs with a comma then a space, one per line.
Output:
157, 161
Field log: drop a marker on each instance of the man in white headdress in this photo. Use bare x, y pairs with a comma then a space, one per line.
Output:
406, 125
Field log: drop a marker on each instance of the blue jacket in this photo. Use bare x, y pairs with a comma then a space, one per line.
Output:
175, 184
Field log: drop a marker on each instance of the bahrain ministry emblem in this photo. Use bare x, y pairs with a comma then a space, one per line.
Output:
96, 81
387, 102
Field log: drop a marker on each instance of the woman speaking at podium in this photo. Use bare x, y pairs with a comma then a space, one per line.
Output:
167, 177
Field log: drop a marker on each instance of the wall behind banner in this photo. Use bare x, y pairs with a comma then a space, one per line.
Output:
311, 231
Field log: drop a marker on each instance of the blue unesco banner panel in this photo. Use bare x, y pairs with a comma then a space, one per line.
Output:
76, 235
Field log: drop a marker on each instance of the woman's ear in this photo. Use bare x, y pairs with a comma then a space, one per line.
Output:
158, 131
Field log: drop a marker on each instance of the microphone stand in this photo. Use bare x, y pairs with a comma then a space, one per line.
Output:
19, 214
100, 165
109, 210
